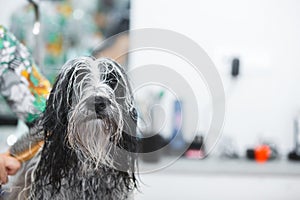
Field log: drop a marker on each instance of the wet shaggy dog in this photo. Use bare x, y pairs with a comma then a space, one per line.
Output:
89, 128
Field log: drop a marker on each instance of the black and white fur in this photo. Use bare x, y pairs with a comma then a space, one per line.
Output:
90, 128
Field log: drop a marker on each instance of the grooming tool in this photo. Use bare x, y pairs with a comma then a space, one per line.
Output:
263, 152
28, 145
295, 154
177, 140
235, 67
36, 30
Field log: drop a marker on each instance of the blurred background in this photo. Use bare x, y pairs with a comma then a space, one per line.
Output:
255, 46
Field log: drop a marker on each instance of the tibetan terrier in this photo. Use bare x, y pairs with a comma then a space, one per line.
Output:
89, 128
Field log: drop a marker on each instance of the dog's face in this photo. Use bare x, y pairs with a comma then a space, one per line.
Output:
89, 119
100, 107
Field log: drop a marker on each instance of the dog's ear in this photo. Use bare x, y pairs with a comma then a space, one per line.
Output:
125, 155
130, 140
59, 101
55, 150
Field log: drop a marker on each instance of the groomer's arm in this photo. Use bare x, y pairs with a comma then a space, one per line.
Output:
8, 166
22, 86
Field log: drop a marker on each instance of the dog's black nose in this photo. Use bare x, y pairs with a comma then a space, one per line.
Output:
101, 103
97, 104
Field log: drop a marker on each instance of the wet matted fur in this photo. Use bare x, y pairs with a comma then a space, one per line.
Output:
89, 130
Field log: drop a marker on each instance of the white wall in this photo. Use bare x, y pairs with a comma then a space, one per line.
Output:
265, 34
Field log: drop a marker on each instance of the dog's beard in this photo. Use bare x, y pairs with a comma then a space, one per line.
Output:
94, 136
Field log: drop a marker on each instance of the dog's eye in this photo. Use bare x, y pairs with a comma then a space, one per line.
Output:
133, 114
111, 79
112, 83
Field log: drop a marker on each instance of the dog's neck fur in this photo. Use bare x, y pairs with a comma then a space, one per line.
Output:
102, 183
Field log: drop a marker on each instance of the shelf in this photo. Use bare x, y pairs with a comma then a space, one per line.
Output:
214, 166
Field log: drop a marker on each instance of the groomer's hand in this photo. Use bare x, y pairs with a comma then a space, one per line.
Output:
8, 166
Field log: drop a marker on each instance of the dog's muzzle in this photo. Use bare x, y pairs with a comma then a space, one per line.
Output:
98, 104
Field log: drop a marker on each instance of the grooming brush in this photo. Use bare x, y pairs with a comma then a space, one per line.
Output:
28, 145
26, 148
